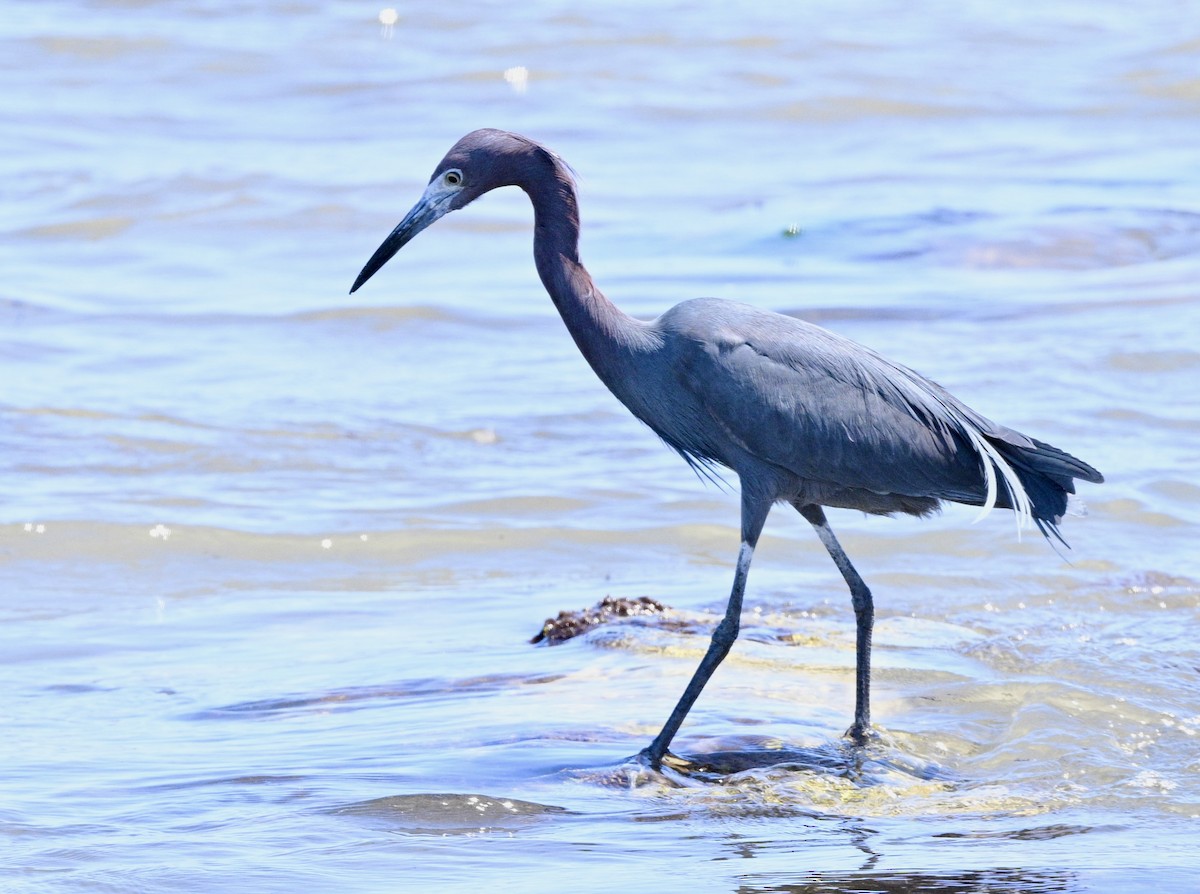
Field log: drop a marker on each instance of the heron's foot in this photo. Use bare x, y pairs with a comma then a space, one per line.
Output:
674, 769
647, 758
668, 760
860, 734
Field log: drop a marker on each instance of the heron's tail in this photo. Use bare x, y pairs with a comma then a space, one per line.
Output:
1047, 475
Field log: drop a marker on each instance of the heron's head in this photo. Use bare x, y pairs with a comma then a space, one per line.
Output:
483, 160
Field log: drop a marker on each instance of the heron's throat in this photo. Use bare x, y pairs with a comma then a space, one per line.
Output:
610, 340
604, 333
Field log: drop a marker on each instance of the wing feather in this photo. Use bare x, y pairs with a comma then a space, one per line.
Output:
829, 410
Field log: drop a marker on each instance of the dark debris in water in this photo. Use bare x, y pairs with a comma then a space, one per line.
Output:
570, 624
716, 765
865, 765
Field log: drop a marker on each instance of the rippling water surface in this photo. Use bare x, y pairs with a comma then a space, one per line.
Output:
270, 557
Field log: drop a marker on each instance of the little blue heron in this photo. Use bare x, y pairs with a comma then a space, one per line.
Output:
801, 415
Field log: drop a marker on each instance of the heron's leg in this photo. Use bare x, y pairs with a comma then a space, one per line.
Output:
754, 515
864, 615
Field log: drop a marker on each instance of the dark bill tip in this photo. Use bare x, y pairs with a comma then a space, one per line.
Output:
421, 216
383, 254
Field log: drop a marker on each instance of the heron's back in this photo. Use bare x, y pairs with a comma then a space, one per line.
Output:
833, 423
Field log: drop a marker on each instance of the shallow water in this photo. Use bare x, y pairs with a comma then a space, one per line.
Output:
271, 556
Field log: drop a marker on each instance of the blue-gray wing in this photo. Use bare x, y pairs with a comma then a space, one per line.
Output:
828, 410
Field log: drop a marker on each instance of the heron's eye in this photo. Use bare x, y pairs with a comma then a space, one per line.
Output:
453, 178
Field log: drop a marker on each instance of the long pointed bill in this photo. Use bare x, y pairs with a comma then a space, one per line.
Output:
431, 206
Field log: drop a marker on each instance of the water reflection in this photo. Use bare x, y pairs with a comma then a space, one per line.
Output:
449, 814
355, 698
985, 881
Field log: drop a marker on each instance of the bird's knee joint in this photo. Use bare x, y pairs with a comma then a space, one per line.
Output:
725, 633
864, 605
